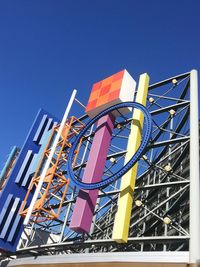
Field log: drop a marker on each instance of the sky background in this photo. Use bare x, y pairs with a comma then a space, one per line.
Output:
49, 47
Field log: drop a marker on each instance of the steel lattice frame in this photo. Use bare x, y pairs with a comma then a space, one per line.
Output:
161, 212
52, 194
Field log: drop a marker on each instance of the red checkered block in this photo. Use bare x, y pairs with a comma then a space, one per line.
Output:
115, 89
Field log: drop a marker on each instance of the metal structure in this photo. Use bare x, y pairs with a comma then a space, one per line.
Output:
54, 188
166, 210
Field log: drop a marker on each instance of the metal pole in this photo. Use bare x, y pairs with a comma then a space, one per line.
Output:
67, 215
46, 167
87, 144
194, 171
168, 179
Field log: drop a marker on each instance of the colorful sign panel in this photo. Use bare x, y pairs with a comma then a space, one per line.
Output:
125, 201
14, 191
115, 89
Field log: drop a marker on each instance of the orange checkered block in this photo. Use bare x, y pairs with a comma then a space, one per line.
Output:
115, 89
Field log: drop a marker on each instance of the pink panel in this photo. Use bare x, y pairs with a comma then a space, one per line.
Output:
84, 207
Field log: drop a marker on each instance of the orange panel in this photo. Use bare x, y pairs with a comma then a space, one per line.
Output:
94, 95
105, 90
96, 86
91, 105
106, 81
118, 76
116, 85
114, 95
102, 100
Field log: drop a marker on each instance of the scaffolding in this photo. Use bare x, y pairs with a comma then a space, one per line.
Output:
54, 188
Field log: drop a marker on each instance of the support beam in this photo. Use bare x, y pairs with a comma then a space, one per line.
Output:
169, 80
170, 141
103, 242
166, 109
194, 171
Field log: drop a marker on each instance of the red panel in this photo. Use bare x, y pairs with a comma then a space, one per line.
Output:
105, 90
91, 105
116, 85
107, 81
94, 95
96, 86
102, 100
114, 95
118, 76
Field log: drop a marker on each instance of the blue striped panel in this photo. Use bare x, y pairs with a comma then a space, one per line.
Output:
24, 167
40, 130
10, 218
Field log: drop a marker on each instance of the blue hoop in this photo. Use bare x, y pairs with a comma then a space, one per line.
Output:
129, 164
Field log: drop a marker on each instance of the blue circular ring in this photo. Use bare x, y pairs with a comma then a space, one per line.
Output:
129, 164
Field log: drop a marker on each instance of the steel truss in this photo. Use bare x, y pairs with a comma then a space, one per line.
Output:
54, 188
161, 211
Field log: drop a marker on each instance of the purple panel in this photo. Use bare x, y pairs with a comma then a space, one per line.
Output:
86, 200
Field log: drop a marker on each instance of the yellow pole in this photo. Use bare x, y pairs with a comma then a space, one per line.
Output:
122, 217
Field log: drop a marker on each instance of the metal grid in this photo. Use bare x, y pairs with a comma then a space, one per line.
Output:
161, 214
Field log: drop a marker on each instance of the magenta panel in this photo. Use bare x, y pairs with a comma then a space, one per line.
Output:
84, 207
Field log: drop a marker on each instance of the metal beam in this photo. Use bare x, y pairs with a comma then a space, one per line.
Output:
103, 242
169, 80
160, 205
194, 171
168, 142
165, 109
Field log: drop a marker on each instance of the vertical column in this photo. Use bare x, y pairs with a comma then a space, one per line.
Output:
84, 208
122, 218
194, 171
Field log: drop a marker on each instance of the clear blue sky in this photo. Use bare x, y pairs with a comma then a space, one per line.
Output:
49, 47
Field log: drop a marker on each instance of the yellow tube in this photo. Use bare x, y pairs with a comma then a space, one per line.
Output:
122, 217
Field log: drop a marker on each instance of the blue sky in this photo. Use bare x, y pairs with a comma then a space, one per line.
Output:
49, 47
